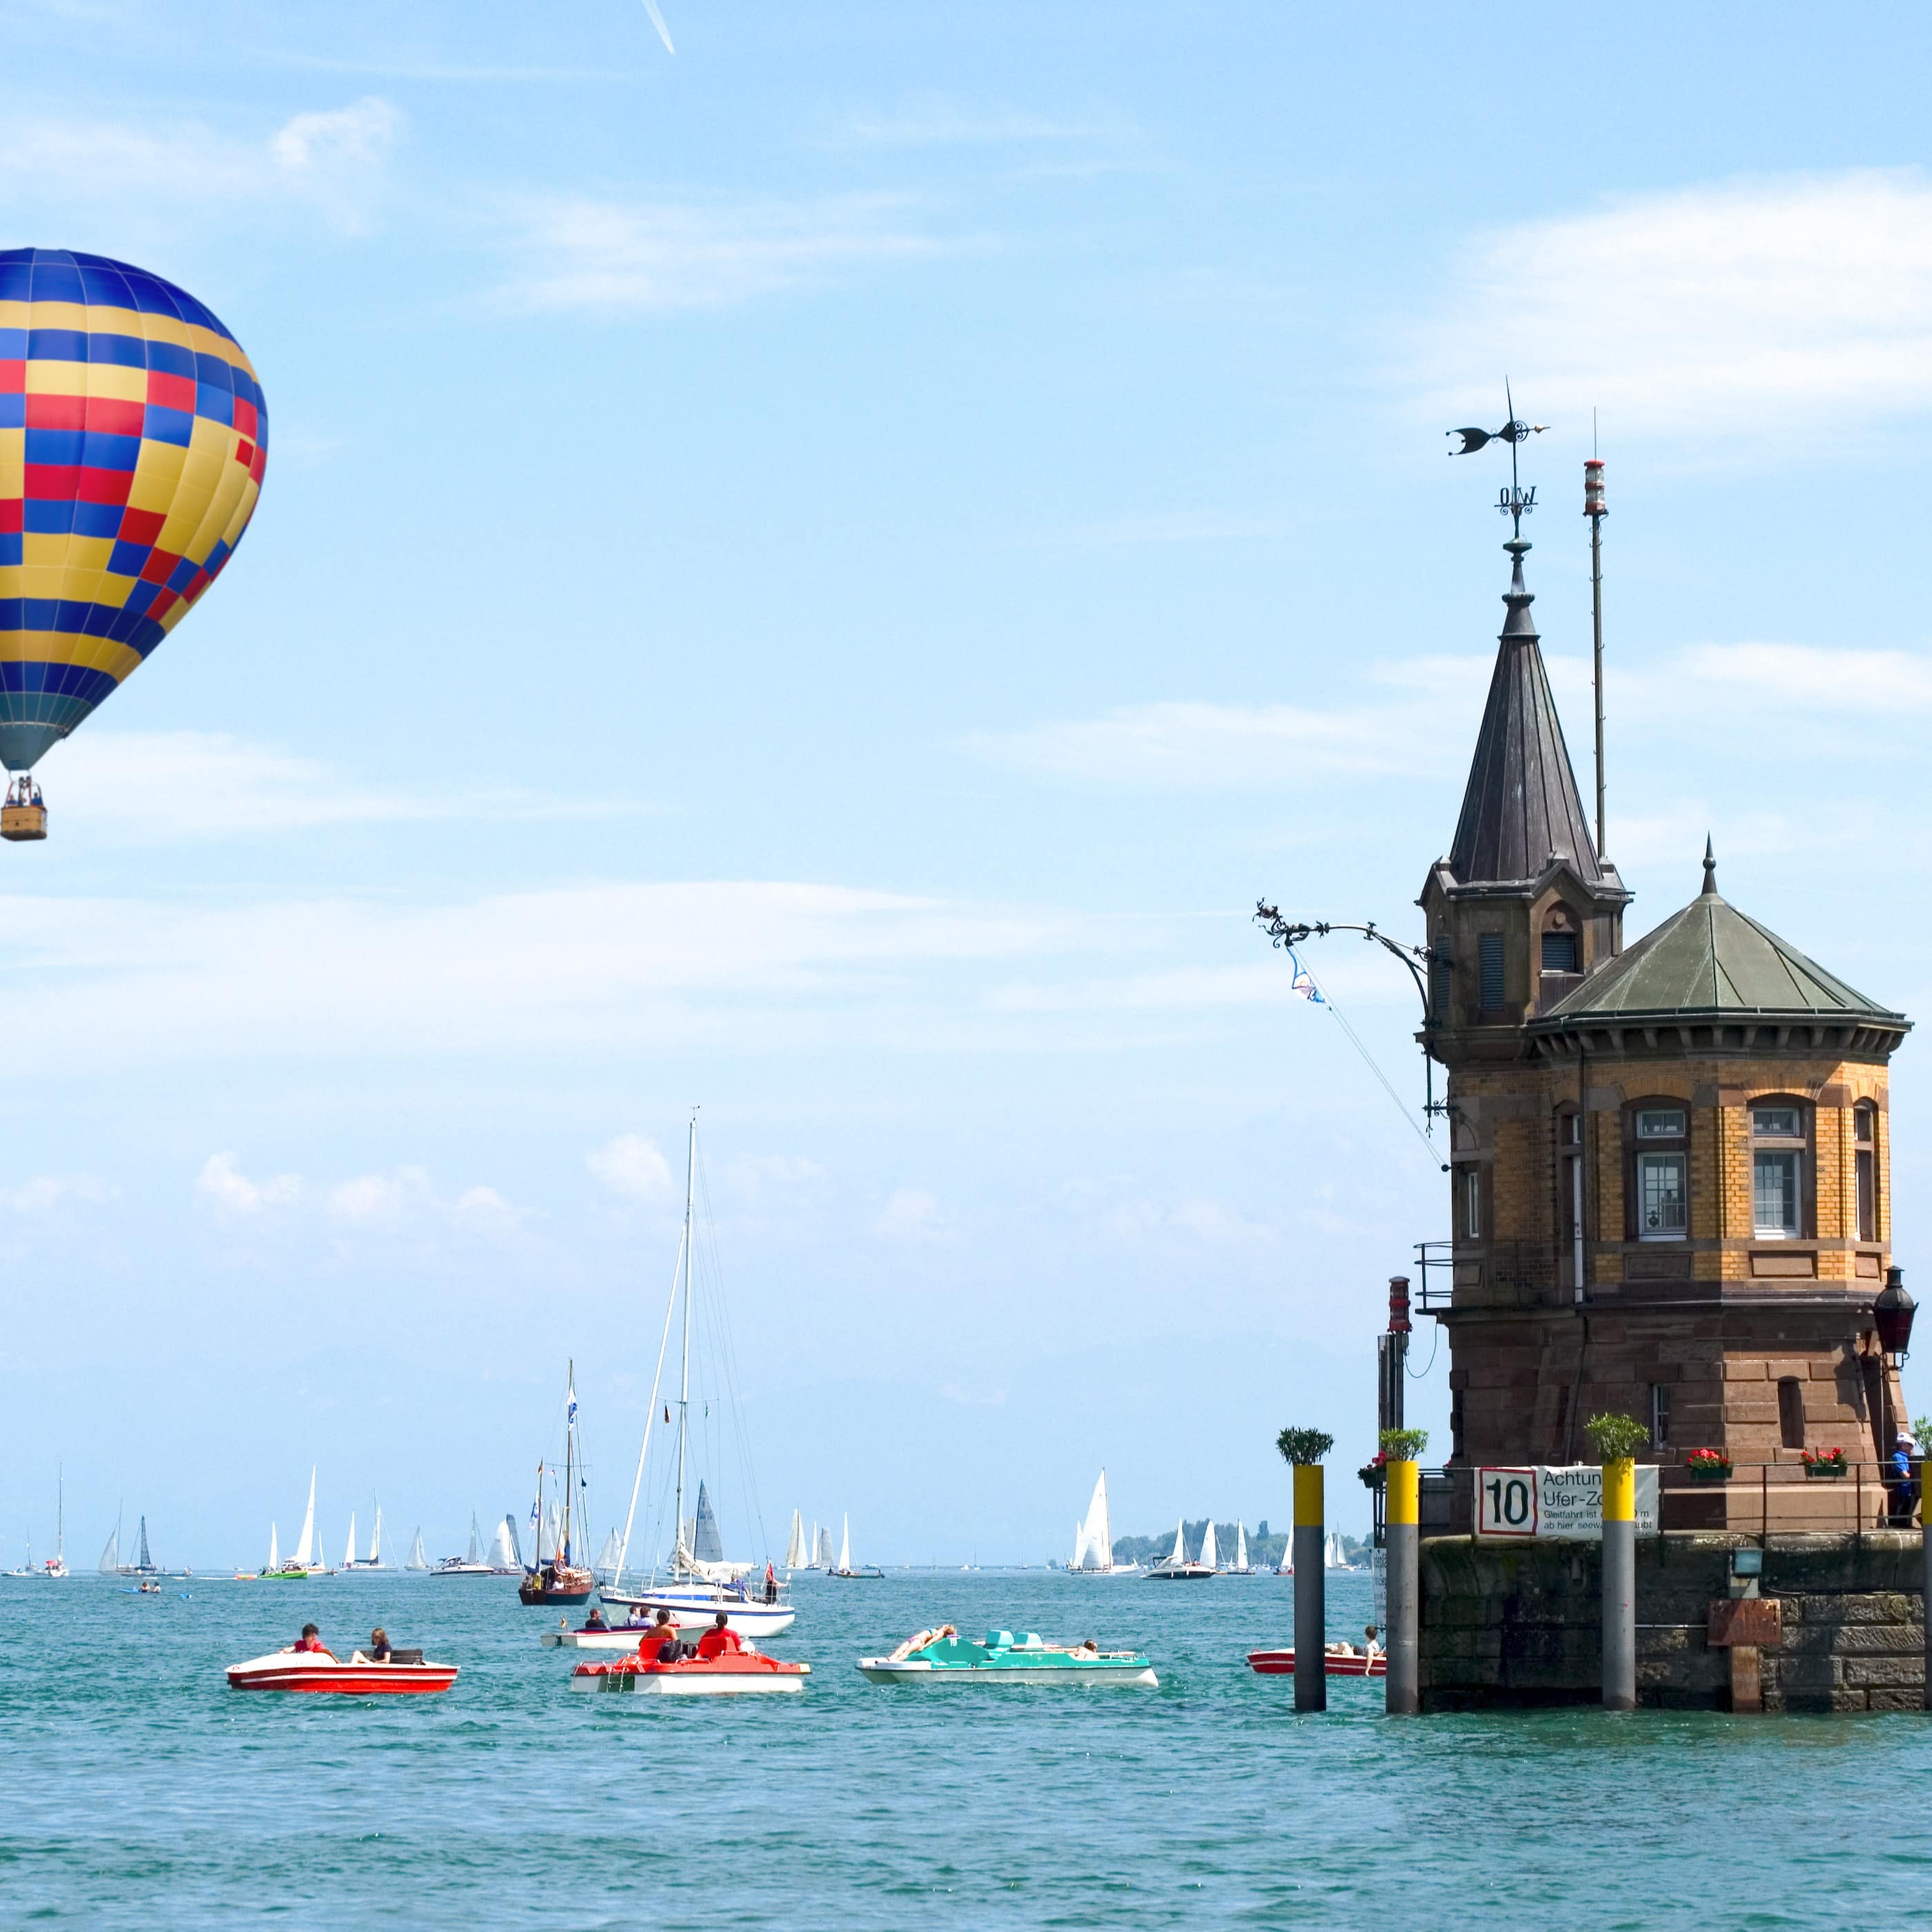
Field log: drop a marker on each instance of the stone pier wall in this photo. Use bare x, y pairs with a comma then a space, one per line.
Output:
1520, 1623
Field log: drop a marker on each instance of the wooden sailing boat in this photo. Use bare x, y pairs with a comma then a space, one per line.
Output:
560, 1580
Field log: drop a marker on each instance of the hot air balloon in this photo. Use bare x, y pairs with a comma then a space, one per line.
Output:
133, 438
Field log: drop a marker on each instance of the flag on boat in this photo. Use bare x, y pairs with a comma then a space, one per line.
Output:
1301, 982
572, 1416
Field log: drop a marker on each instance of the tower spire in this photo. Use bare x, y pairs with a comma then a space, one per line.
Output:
1710, 869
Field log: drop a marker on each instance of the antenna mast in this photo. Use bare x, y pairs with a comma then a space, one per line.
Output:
1596, 508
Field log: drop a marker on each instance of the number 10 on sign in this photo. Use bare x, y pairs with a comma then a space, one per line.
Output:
1506, 1502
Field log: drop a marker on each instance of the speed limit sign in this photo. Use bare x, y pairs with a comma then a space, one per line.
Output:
1506, 1502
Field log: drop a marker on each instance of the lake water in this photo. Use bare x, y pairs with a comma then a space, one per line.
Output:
140, 1790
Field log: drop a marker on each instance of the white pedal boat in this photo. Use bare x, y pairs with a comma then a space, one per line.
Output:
616, 1636
315, 1670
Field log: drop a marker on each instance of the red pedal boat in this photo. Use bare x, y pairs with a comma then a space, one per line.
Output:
1338, 1664
734, 1673
405, 1674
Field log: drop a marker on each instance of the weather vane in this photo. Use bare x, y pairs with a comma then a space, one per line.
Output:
1515, 503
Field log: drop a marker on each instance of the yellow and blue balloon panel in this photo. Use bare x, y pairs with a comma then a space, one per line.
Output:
133, 440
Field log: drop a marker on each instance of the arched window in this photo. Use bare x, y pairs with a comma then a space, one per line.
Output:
1781, 1151
1864, 1140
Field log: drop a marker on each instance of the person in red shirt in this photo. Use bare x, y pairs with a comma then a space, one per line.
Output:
719, 1638
311, 1640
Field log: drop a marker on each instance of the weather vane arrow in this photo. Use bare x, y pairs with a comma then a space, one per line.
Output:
1514, 502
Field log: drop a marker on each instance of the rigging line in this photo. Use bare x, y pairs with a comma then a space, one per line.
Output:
739, 1429
1418, 1375
650, 1414
1355, 1039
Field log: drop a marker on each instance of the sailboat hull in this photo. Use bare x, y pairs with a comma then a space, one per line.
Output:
1180, 1573
697, 1608
555, 1585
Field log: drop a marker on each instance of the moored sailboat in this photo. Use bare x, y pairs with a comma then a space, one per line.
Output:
560, 1580
702, 1582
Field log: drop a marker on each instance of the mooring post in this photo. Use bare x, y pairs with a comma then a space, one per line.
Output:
1620, 1583
1402, 1560
1925, 1581
1311, 1606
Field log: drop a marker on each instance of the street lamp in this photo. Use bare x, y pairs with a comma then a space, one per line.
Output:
1892, 1312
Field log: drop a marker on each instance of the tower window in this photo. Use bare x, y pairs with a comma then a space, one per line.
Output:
1777, 1166
1660, 1123
1663, 1209
1657, 1177
1864, 1129
1490, 970
1660, 1415
1472, 1203
1791, 1412
1559, 952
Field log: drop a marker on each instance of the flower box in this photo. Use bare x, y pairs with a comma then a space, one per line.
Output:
1707, 1465
1374, 1475
1824, 1465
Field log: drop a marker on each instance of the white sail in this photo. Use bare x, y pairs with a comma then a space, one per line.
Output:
349, 1554
110, 1557
376, 1537
1180, 1544
821, 1553
554, 1531
607, 1557
795, 1543
418, 1561
1094, 1544
475, 1540
1240, 1545
508, 1534
304, 1555
275, 1552
503, 1551
1207, 1546
845, 1546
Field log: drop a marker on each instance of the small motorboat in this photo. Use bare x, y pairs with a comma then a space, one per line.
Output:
943, 1656
1337, 1661
405, 1672
733, 1673
598, 1636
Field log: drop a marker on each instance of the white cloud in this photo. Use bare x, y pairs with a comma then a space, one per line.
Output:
631, 1166
1813, 679
1185, 744
374, 1200
1732, 317
53, 1190
759, 1176
330, 161
486, 1211
644, 256
154, 788
230, 1192
912, 1215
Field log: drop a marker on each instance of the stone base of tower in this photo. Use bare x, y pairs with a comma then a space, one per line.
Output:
1519, 1625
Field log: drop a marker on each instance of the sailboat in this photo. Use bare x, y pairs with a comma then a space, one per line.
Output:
606, 1565
110, 1565
702, 1580
560, 1580
306, 1561
1240, 1566
1333, 1557
417, 1560
505, 1559
471, 1564
796, 1555
55, 1565
845, 1568
822, 1558
1093, 1540
349, 1553
374, 1560
1176, 1569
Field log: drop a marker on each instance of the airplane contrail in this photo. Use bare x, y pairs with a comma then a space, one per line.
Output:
657, 21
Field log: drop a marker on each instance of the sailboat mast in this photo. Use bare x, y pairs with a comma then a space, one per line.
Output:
684, 1382
60, 1510
569, 1463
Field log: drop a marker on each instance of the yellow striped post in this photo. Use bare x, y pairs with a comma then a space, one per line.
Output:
1311, 1606
1620, 1584
1401, 1529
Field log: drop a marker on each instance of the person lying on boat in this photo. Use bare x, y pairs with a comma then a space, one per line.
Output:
920, 1639
311, 1640
720, 1638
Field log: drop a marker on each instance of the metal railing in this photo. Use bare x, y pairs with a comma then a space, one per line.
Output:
1511, 1273
1776, 1498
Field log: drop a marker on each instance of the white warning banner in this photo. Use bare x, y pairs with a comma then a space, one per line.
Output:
1564, 1501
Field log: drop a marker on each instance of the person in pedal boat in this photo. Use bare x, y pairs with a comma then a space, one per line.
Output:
720, 1638
311, 1640
659, 1643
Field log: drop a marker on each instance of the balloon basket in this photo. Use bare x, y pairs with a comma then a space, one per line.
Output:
23, 821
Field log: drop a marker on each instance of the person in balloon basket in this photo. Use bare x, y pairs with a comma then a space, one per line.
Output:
720, 1640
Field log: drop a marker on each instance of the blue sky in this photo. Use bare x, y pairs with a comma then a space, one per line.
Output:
819, 575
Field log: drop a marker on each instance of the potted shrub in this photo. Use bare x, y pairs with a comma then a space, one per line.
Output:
1826, 1462
1304, 1448
1708, 1466
1617, 1438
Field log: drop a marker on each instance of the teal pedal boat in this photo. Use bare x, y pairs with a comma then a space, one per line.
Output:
944, 1657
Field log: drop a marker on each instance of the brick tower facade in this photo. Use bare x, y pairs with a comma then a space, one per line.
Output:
1670, 1165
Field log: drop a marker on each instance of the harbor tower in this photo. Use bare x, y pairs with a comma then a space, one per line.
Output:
1669, 1162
